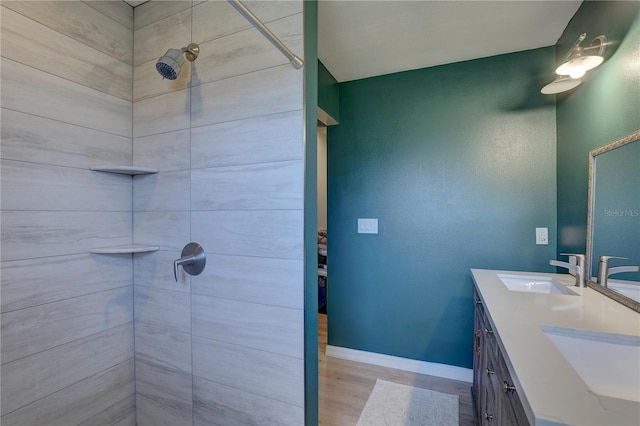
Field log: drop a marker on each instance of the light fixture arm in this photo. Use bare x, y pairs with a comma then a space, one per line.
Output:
574, 47
599, 43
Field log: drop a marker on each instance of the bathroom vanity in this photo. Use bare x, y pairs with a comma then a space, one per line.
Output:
547, 352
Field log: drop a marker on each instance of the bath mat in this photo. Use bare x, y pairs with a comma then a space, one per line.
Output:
392, 404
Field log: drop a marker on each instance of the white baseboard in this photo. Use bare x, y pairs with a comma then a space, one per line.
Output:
406, 364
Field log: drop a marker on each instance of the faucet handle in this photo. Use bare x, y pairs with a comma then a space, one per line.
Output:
579, 267
605, 259
576, 255
192, 261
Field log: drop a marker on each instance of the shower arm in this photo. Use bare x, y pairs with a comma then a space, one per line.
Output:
249, 16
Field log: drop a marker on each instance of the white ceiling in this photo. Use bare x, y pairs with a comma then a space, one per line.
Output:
135, 3
359, 39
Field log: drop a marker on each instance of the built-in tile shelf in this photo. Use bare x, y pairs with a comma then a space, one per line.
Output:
125, 170
130, 248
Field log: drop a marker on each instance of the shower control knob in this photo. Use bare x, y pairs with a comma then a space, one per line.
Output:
192, 260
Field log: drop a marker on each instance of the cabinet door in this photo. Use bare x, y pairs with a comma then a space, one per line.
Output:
492, 413
479, 364
511, 410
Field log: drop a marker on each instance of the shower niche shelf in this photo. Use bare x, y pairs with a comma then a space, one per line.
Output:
125, 170
130, 248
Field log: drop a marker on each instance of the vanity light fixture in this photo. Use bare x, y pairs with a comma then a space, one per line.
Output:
576, 63
580, 59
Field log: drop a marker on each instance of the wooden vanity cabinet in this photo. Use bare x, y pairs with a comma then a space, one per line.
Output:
495, 397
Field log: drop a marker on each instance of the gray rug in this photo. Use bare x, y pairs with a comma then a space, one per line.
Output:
392, 404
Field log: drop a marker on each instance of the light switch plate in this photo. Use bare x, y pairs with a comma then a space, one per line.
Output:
542, 236
367, 226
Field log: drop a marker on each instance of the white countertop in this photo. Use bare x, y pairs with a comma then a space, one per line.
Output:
550, 389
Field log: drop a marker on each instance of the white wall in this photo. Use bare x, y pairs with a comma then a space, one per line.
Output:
225, 346
67, 315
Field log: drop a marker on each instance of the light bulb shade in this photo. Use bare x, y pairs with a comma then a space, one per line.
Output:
578, 66
560, 85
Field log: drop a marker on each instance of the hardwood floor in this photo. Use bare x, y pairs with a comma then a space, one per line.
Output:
344, 386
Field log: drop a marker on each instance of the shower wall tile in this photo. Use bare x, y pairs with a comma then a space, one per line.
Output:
155, 270
28, 186
164, 191
153, 40
33, 282
89, 397
165, 152
252, 279
168, 230
147, 83
39, 93
163, 395
269, 91
214, 403
153, 11
248, 187
66, 96
269, 375
170, 310
71, 18
271, 233
166, 348
122, 413
263, 139
247, 51
242, 121
33, 44
32, 378
117, 10
31, 330
266, 328
161, 114
35, 139
27, 235
214, 19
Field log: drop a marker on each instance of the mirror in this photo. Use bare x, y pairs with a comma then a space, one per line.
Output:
613, 223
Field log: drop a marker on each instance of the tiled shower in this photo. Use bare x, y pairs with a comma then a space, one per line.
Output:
113, 339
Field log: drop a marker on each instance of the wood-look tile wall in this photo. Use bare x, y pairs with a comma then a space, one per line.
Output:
224, 347
67, 315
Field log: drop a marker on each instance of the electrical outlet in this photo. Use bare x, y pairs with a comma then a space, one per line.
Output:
542, 236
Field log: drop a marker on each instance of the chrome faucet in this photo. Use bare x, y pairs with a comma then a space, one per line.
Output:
604, 270
579, 268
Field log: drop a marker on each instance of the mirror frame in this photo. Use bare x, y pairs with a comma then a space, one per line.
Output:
628, 302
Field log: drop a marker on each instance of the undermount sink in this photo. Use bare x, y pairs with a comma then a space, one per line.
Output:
606, 362
534, 284
629, 290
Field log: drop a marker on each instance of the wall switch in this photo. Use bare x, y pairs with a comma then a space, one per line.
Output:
542, 236
367, 226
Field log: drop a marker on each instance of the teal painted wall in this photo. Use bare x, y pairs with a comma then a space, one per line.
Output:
328, 92
458, 164
604, 108
310, 213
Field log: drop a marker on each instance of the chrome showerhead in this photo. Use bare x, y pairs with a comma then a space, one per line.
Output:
170, 63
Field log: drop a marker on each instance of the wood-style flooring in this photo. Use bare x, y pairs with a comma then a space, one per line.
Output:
344, 386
